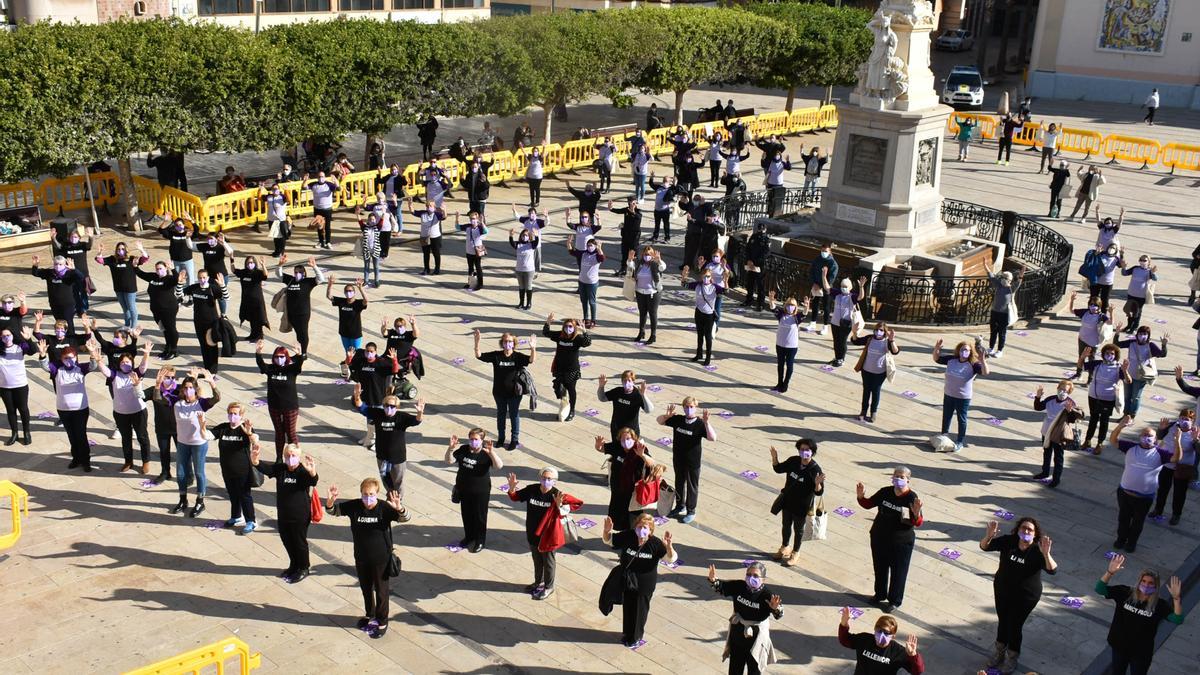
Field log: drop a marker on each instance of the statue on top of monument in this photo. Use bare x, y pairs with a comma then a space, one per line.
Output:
885, 74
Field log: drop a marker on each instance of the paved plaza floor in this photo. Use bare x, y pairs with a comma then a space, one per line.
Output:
104, 579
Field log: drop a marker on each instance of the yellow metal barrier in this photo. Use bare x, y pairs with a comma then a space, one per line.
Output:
149, 194
1030, 134
300, 202
19, 499
578, 154
829, 117
774, 123
552, 158
657, 141
1080, 140
1180, 155
71, 193
1131, 148
196, 660
223, 212
358, 188
17, 195
804, 119
986, 124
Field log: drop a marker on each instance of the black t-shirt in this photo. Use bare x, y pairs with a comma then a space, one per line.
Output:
504, 369
56, 345
641, 561
800, 485
213, 256
11, 321
473, 468
60, 290
292, 499
537, 503
204, 302
1133, 627
625, 468
298, 296
281, 381
402, 343
389, 434
123, 277
374, 376
566, 352
688, 439
234, 446
349, 317
178, 248
162, 292
748, 604
894, 512
164, 417
78, 253
871, 659
1020, 571
626, 407
251, 282
113, 353
370, 528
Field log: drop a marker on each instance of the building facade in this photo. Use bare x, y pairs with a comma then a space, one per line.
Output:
511, 7
244, 13
1117, 50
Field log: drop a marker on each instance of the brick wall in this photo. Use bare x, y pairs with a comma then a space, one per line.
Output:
109, 10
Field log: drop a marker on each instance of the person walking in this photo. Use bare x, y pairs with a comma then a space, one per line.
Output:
161, 285
1151, 106
690, 430
879, 653
507, 388
283, 400
1004, 305
631, 583
892, 534
129, 407
1058, 428
787, 339
472, 486
646, 273
427, 135
1139, 611
294, 503
71, 397
122, 267
298, 288
748, 645
1143, 369
189, 408
804, 482
545, 506
14, 381
564, 369
963, 365
371, 521
1144, 460
876, 365
236, 441
253, 306
391, 448
1017, 587
1102, 390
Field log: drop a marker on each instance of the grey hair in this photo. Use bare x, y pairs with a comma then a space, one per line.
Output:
60, 259
903, 470
762, 569
550, 470
1007, 276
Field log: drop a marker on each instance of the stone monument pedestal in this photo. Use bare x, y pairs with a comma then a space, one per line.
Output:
885, 190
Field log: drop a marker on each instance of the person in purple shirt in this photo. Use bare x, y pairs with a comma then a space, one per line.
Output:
71, 396
963, 365
1144, 460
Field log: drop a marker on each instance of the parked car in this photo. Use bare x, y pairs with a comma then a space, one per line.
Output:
963, 88
955, 40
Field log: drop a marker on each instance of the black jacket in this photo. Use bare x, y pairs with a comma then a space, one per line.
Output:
476, 184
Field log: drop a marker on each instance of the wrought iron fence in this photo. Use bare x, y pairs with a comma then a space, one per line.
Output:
741, 210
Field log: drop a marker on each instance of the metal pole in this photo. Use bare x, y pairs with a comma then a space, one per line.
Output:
257, 15
87, 176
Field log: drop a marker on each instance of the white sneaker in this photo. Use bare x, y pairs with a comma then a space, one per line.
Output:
812, 326
998, 353
345, 370
822, 331
564, 407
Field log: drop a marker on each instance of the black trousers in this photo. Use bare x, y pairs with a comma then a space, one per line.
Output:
605, 176
740, 660
755, 284
477, 205
475, 266
241, 502
1150, 115
627, 245
167, 322
635, 607
662, 218
999, 329
704, 334
372, 579
793, 523
1004, 149
1128, 662
1099, 413
1134, 318
294, 534
426, 150
647, 305
324, 232
209, 354
432, 249
1100, 291
841, 336
1131, 516
300, 326
1055, 452
564, 384
890, 559
164, 454
820, 307
1013, 607
714, 172
687, 484
16, 402
1055, 203
1167, 479
474, 508
535, 191
872, 388
128, 425
75, 422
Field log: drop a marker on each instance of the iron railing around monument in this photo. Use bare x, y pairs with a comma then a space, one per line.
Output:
740, 210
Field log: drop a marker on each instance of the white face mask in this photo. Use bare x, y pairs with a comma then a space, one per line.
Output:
647, 258
1062, 395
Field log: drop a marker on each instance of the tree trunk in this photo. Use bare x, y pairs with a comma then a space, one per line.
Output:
128, 195
548, 112
371, 140
679, 106
791, 99
1005, 32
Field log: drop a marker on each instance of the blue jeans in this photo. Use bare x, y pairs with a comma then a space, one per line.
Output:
128, 303
957, 407
639, 186
717, 309
81, 296
1133, 396
398, 214
189, 462
507, 408
186, 265
785, 357
368, 263
347, 343
587, 297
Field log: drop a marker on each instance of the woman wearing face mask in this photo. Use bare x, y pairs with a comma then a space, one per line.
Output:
533, 176
564, 369
691, 429
164, 419
507, 364
647, 276
12, 312
369, 247
1178, 475
1058, 428
189, 408
1093, 323
124, 342
349, 312
1139, 286
213, 252
431, 217
1144, 461
631, 583
371, 519
283, 400
203, 297
545, 506
1142, 368
391, 448
1111, 259
748, 645
14, 381
892, 534
962, 367
293, 499
71, 398
253, 307
708, 293
878, 653
628, 462
588, 226
589, 259
61, 282
235, 442
1106, 375
60, 338
526, 265
161, 285
298, 296
1107, 229
629, 400
873, 364
122, 267
721, 274
75, 249
375, 372
804, 482
1004, 291
401, 336
1139, 611
787, 339
1017, 588
278, 223
129, 407
474, 232
533, 223
845, 315
472, 485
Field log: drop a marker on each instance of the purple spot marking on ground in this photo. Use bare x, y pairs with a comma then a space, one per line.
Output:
664, 441
1110, 555
503, 488
749, 475
950, 553
660, 520
584, 364
453, 548
1073, 603
465, 319
591, 412
725, 414
710, 368
1157, 398
827, 368
855, 613
655, 388
631, 310
844, 512
1006, 515
1022, 333
415, 303
46, 415
458, 361
258, 403
762, 348
994, 421
1160, 321
91, 443
585, 524
908, 393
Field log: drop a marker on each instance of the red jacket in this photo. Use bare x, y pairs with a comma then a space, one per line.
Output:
551, 530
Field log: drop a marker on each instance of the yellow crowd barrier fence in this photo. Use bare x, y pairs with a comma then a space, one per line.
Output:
71, 193
803, 120
18, 501
986, 124
18, 195
1131, 149
1085, 141
1030, 135
197, 660
1181, 155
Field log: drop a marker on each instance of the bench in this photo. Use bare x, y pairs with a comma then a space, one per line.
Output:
618, 130
707, 115
40, 236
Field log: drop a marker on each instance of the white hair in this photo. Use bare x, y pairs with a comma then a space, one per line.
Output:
549, 470
904, 470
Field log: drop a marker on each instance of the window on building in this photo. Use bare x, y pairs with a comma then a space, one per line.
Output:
214, 7
412, 4
462, 4
359, 5
295, 6
509, 9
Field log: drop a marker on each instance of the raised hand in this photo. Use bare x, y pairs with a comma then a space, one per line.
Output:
600, 443
860, 491
992, 528
453, 439
1174, 587
775, 602
1044, 545
333, 492
667, 538
604, 378
512, 482
910, 645
712, 573
1116, 564
1040, 391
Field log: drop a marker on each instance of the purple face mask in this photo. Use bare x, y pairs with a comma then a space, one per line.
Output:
127, 367
292, 461
370, 500
1147, 589
1026, 537
160, 271
60, 334
642, 532
117, 341
6, 339
753, 583
235, 419
189, 391
882, 638
476, 443
281, 360
389, 410
69, 362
